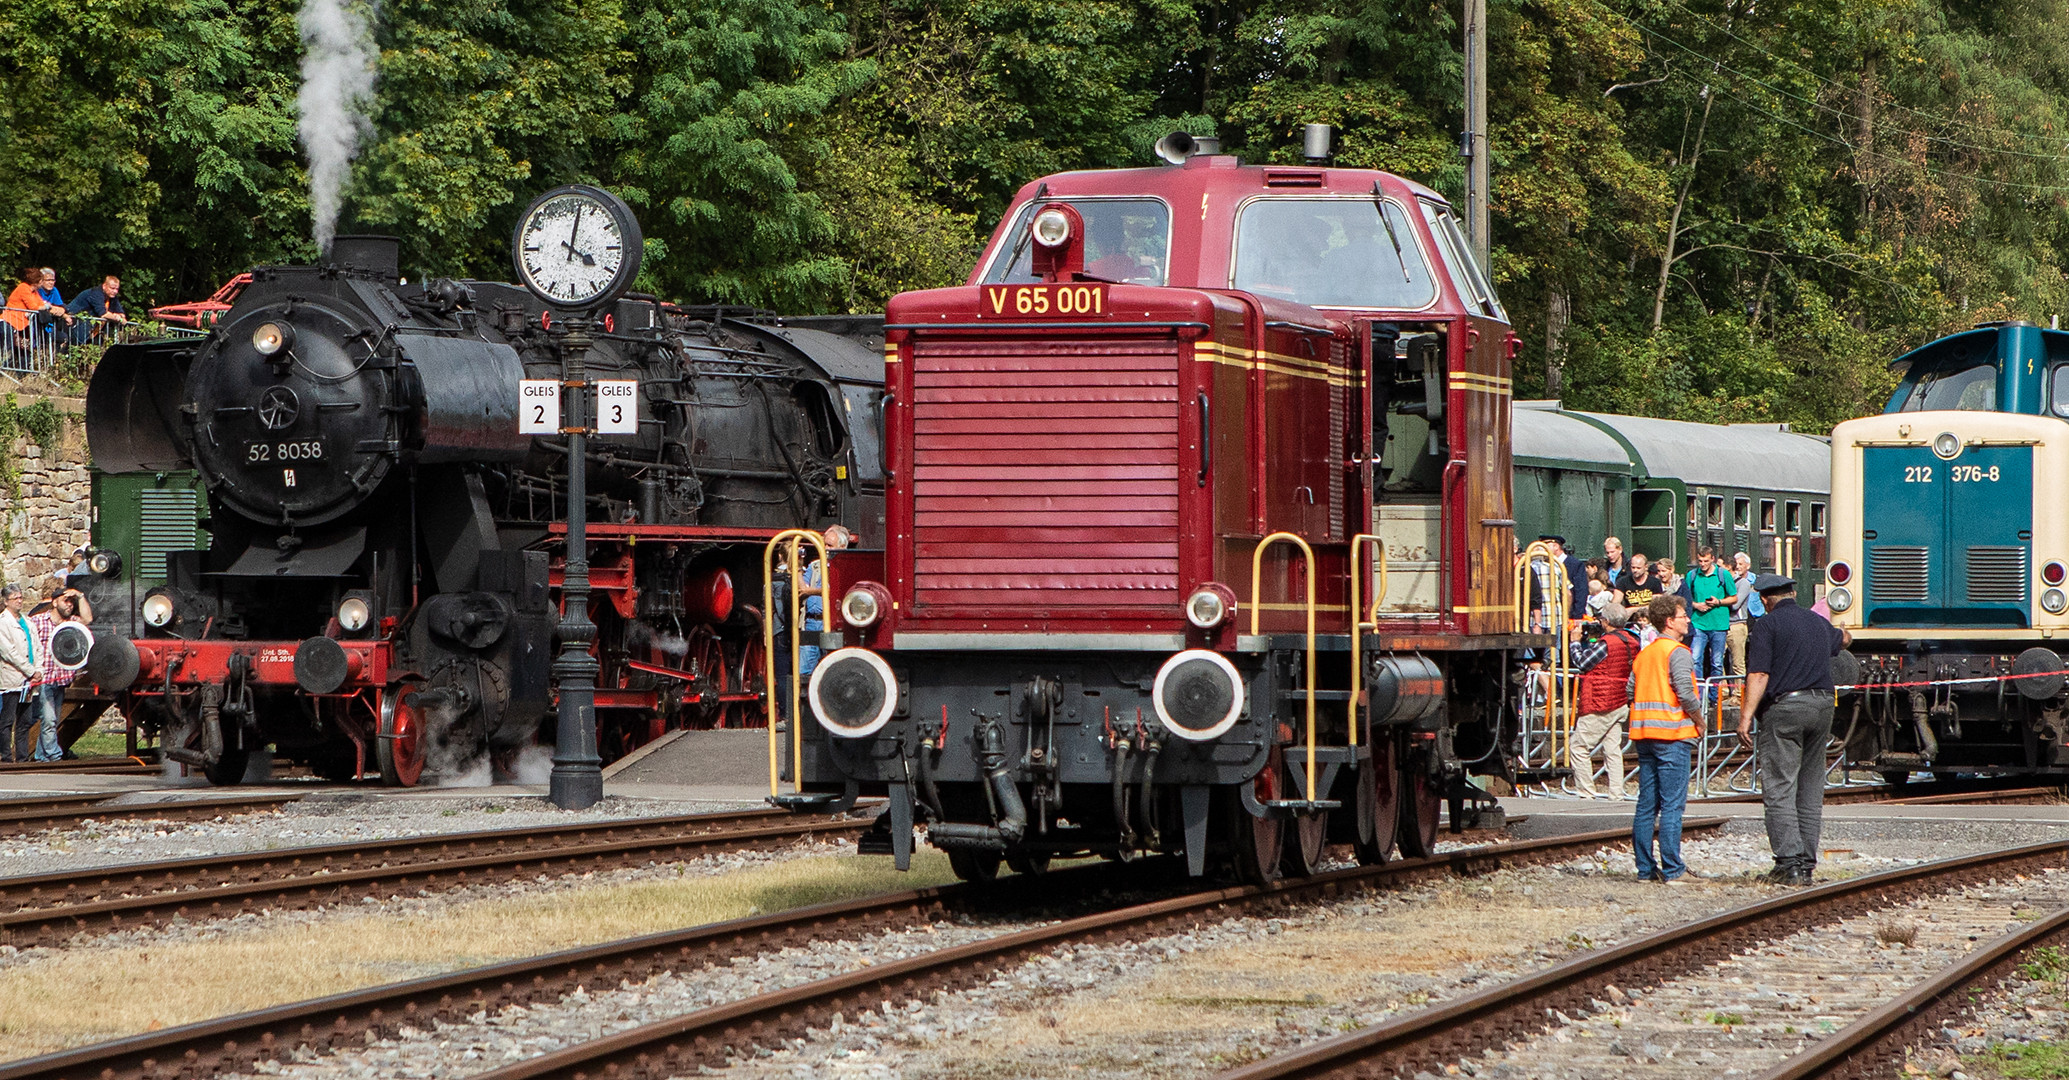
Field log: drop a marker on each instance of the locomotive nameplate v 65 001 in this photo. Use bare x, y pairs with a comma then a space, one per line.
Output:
1081, 300
264, 452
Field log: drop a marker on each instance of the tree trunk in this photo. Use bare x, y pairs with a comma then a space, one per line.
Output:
1667, 257
1558, 313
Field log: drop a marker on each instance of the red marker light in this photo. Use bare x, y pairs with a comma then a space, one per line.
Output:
1839, 573
2052, 573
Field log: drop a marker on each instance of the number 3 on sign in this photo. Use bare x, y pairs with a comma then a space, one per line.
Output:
538, 407
617, 407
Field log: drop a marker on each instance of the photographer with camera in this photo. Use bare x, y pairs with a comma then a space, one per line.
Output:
1603, 657
47, 698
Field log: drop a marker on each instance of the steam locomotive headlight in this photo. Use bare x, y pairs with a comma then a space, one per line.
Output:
1839, 573
1210, 606
864, 605
158, 610
272, 338
1839, 599
1051, 228
1947, 444
2054, 601
2052, 573
354, 614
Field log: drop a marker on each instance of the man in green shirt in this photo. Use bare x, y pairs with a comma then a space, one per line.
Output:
1710, 591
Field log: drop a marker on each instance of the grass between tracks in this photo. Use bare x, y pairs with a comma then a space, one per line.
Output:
92, 992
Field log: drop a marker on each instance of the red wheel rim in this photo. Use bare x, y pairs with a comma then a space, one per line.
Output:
402, 741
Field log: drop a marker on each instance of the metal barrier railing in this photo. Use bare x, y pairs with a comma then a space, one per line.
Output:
36, 345
1256, 572
795, 568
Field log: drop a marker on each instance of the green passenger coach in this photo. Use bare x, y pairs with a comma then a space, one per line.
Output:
1951, 533
1669, 488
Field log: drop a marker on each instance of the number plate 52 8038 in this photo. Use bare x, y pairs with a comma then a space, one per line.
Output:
1085, 300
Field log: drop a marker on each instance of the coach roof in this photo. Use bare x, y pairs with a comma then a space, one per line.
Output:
1719, 455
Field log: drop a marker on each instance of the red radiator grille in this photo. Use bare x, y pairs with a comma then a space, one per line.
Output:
1045, 475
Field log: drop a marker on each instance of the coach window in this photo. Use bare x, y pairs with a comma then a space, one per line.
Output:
1794, 518
1742, 513
1126, 241
1334, 253
1971, 388
1817, 519
1767, 515
1716, 511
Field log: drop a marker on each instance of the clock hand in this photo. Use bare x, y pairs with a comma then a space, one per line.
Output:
587, 259
574, 232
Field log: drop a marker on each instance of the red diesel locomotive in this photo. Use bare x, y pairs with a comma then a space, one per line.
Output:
1182, 433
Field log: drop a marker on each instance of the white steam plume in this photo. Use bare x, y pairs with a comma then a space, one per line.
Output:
338, 56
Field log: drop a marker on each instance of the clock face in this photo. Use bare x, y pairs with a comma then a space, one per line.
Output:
573, 248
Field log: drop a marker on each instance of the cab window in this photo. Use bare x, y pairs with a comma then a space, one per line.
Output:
1971, 388
1336, 253
1127, 241
2059, 390
1466, 275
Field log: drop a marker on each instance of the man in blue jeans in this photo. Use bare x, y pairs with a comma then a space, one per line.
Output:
1710, 591
1666, 723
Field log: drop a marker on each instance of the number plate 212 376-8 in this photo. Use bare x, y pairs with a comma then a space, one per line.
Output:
1085, 300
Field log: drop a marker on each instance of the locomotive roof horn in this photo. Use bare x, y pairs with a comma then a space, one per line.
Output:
1178, 146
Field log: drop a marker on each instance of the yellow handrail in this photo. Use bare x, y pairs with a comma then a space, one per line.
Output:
1256, 571
1559, 700
1358, 543
796, 572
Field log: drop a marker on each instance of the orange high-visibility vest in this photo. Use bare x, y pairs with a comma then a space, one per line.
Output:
1655, 708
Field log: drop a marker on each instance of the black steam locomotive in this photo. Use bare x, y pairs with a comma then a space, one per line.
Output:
380, 588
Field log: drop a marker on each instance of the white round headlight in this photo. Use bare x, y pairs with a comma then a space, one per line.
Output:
1051, 228
1947, 444
1839, 599
271, 337
860, 609
1206, 609
158, 610
2053, 601
353, 614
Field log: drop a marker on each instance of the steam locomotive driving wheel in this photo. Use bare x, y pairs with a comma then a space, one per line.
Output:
400, 743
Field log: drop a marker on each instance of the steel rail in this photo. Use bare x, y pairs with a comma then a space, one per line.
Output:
1912, 794
48, 906
234, 1043
683, 1043
41, 814
78, 765
1874, 1044
1430, 1039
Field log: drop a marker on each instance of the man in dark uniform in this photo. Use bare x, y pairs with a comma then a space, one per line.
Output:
1789, 687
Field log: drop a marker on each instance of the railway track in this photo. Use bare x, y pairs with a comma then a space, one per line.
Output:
681, 1044
1967, 793
106, 765
42, 908
1515, 1012
20, 816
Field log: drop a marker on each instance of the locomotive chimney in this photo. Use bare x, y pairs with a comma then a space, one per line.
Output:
1315, 143
375, 256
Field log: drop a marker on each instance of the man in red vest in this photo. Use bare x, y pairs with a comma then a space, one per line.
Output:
1604, 664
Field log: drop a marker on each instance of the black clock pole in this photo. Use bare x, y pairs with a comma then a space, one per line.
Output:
577, 770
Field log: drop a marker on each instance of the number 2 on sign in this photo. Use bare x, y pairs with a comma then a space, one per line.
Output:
1918, 474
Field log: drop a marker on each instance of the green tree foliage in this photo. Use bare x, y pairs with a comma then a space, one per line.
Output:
1708, 209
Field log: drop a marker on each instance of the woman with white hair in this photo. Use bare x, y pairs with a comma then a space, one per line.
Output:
19, 669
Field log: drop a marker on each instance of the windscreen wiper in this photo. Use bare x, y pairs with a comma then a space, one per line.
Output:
1379, 203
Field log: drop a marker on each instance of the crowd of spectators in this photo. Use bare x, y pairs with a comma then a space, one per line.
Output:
41, 319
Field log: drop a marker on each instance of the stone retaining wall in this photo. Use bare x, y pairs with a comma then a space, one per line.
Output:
53, 511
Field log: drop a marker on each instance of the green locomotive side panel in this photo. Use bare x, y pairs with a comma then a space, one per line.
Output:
145, 516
